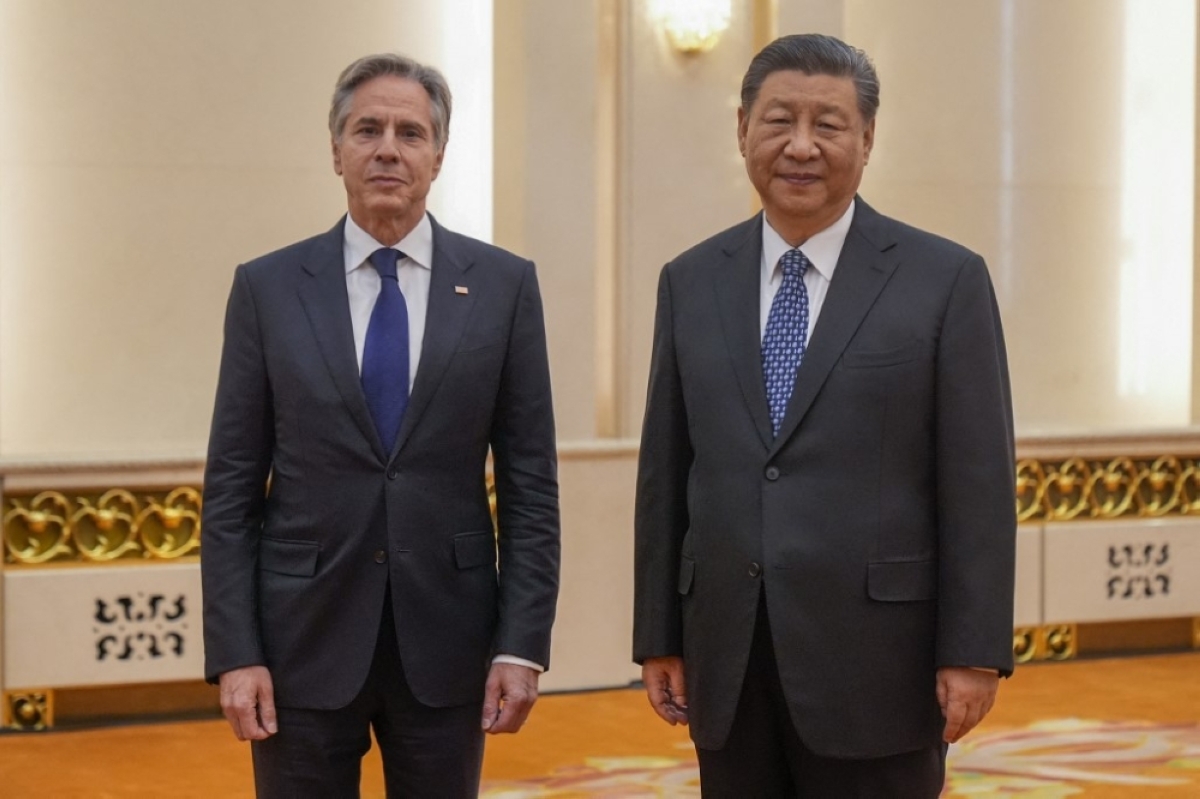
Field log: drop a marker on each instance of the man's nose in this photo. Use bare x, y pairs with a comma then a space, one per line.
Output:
802, 144
389, 148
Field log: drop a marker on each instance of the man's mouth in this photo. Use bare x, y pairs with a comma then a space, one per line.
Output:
800, 178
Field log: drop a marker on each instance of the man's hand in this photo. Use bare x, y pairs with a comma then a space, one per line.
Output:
508, 697
966, 695
665, 687
248, 702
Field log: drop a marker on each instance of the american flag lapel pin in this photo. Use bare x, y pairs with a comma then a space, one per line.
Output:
460, 290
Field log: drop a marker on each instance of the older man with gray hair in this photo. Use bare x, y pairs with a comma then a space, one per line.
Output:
353, 578
825, 518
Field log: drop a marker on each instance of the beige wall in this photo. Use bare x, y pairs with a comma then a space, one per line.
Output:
146, 148
685, 176
1023, 130
545, 195
152, 146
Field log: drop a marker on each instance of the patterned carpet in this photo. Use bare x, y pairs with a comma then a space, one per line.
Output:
1127, 727
1045, 760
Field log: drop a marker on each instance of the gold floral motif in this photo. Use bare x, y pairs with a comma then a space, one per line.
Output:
1114, 487
1024, 644
105, 530
1068, 487
1058, 642
171, 529
102, 527
1052, 642
29, 710
1160, 488
1076, 488
1031, 489
39, 530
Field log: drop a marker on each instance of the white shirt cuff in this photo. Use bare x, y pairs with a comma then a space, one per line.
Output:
516, 661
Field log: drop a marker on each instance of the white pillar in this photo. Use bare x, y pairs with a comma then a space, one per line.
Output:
456, 37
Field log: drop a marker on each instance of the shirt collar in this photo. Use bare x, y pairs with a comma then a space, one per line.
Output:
417, 245
822, 249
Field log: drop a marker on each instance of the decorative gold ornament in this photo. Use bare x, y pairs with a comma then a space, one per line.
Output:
100, 528
1024, 644
1076, 488
37, 531
105, 530
29, 709
1058, 642
1052, 642
1196, 633
1031, 489
171, 529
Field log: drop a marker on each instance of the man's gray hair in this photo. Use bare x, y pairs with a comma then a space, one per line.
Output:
814, 54
374, 66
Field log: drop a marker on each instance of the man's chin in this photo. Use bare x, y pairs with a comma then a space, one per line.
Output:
384, 207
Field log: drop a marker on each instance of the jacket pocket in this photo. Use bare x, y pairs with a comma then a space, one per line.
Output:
687, 571
475, 549
283, 556
858, 359
902, 581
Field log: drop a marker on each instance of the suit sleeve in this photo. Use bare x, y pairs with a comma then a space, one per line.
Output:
239, 460
661, 515
975, 479
526, 469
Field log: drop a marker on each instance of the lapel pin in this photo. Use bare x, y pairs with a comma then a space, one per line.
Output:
460, 289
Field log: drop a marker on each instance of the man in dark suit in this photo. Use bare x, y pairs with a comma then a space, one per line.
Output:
825, 515
349, 559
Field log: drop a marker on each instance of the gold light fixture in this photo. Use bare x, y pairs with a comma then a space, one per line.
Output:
692, 26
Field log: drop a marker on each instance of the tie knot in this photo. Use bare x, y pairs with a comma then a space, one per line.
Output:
384, 260
793, 262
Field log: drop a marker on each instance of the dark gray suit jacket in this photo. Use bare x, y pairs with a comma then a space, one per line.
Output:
306, 518
881, 521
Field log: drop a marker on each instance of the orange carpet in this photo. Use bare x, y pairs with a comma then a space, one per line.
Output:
1123, 727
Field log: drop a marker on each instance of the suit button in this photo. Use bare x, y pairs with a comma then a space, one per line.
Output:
381, 556
772, 473
393, 474
754, 569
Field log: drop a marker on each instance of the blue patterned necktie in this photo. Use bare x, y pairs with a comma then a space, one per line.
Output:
385, 352
783, 341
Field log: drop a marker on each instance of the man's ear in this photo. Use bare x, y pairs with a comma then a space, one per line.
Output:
743, 124
337, 155
437, 161
868, 141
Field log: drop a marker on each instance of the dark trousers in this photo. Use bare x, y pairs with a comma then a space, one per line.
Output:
764, 758
427, 752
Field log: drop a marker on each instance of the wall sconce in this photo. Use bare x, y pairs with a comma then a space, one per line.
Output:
692, 26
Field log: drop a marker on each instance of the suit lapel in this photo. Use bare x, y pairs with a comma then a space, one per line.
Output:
737, 284
445, 320
324, 298
863, 269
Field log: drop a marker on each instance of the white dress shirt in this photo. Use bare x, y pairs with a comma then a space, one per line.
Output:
822, 251
413, 272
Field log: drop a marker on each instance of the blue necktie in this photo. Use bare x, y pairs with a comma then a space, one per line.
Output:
385, 352
783, 341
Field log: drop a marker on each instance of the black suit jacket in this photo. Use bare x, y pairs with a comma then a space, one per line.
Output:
880, 522
307, 519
